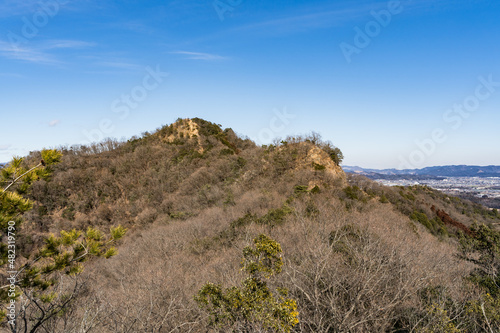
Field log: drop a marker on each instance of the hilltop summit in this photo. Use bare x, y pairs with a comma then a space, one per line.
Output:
201, 131
295, 153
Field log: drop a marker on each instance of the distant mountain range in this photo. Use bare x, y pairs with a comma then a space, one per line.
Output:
437, 171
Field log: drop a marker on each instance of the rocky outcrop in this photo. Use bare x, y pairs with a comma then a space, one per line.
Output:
318, 159
182, 130
305, 155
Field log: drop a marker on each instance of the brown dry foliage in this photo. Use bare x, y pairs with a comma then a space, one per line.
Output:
353, 265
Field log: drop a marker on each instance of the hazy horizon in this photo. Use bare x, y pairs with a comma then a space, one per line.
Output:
432, 166
393, 84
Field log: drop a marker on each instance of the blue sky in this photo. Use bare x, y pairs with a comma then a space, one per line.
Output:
392, 83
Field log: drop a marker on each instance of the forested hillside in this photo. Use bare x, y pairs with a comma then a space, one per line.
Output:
192, 228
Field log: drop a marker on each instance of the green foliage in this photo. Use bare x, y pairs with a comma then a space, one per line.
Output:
179, 215
332, 151
299, 189
486, 312
51, 156
65, 253
407, 195
483, 249
264, 259
17, 178
318, 167
12, 205
435, 225
440, 322
187, 153
422, 219
118, 232
253, 304
335, 153
302, 189
355, 193
351, 192
17, 172
210, 129
275, 217
240, 162
110, 252
315, 189
226, 151
61, 255
244, 221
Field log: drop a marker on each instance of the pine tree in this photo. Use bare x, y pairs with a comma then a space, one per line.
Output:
254, 304
37, 291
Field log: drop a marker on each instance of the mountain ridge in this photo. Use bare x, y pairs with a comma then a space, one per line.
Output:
435, 171
357, 256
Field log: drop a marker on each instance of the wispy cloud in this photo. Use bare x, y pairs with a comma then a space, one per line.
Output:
10, 8
66, 44
24, 53
5, 147
314, 20
331, 15
308, 18
16, 7
39, 52
54, 122
200, 56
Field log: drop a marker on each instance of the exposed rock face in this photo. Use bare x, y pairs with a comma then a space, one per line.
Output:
184, 129
307, 156
319, 159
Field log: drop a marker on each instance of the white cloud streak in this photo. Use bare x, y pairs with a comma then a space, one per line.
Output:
200, 56
327, 17
38, 52
66, 44
10, 51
